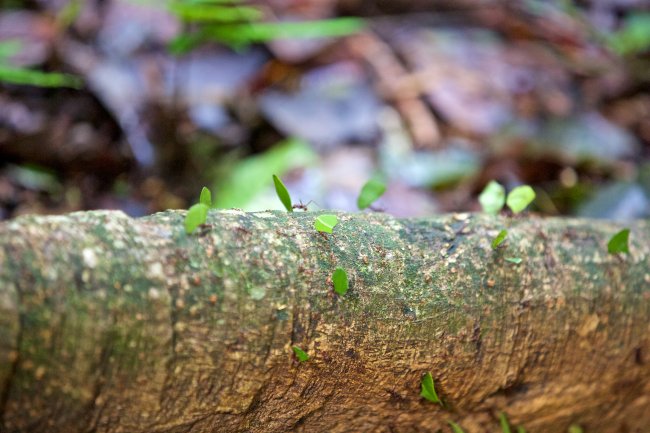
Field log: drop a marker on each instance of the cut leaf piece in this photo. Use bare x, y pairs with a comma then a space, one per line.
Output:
340, 280
515, 260
325, 223
505, 425
492, 198
196, 216
499, 239
455, 427
520, 197
371, 191
619, 243
206, 197
300, 354
428, 389
283, 193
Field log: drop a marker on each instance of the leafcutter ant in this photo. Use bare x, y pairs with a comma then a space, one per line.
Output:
303, 206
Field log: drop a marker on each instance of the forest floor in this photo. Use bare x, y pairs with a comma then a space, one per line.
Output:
438, 96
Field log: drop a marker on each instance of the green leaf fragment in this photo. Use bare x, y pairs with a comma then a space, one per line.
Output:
520, 197
196, 215
371, 191
325, 223
428, 389
619, 243
515, 260
340, 280
575, 428
455, 427
283, 193
492, 198
499, 239
520, 429
206, 197
300, 354
505, 425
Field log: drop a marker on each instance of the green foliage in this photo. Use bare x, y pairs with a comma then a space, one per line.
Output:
206, 197
246, 180
503, 421
455, 428
499, 239
575, 428
428, 389
326, 223
340, 280
515, 260
634, 36
520, 429
619, 243
492, 198
301, 355
18, 75
196, 215
371, 191
520, 197
236, 25
214, 13
283, 193
31, 77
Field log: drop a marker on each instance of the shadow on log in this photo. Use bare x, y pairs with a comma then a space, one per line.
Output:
113, 324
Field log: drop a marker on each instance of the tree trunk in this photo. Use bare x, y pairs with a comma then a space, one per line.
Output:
110, 324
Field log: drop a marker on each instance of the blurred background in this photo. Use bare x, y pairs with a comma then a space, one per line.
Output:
137, 104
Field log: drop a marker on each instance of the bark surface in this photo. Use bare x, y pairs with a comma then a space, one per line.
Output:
113, 324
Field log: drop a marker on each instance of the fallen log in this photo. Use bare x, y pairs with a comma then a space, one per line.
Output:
113, 324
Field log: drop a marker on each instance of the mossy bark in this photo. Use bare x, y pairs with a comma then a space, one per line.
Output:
112, 324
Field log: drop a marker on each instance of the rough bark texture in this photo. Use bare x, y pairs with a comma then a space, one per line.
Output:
110, 324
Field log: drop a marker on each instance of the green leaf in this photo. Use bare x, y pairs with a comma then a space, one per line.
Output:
575, 428
619, 242
215, 13
520, 429
300, 354
520, 197
325, 223
282, 193
634, 36
340, 280
206, 197
30, 77
196, 216
184, 43
248, 33
455, 427
371, 191
244, 183
505, 425
515, 260
499, 239
428, 389
492, 198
